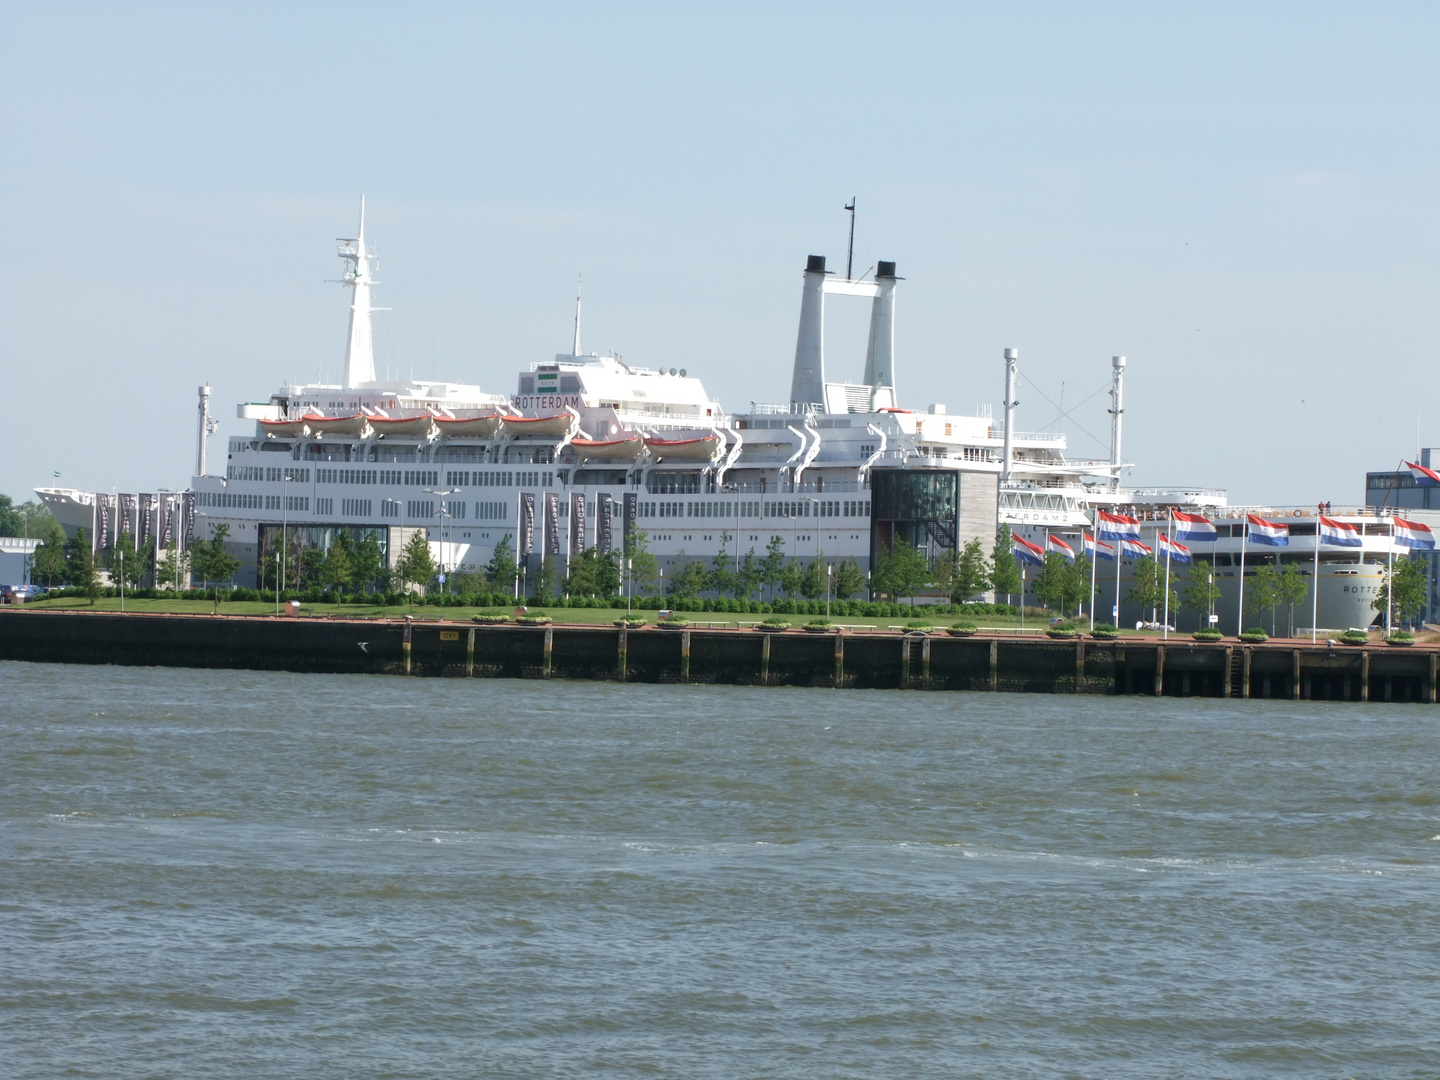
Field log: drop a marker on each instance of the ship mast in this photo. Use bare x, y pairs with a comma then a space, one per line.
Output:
359, 347
1117, 410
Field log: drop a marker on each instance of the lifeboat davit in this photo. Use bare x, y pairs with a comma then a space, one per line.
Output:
403, 425
630, 447
336, 425
560, 424
702, 448
481, 427
286, 429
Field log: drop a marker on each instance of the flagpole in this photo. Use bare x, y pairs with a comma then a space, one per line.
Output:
1315, 584
1094, 558
1170, 521
1119, 550
1390, 581
1244, 539
1022, 594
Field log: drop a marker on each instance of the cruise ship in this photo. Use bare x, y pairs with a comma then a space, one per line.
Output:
586, 450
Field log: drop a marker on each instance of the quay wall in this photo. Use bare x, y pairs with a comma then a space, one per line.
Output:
850, 660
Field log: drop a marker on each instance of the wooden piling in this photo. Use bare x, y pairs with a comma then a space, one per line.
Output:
905, 661
1430, 682
1229, 668
925, 662
1295, 674
1159, 670
549, 648
765, 660
994, 665
405, 644
622, 652
684, 655
1364, 674
1079, 664
470, 654
1245, 673
839, 658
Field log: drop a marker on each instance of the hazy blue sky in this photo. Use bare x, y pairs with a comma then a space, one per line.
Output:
1240, 198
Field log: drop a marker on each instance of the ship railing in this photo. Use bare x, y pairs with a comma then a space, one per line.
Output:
764, 408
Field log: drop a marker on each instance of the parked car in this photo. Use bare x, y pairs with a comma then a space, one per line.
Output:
19, 594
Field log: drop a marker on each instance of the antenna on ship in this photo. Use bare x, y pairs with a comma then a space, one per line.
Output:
850, 256
359, 345
579, 281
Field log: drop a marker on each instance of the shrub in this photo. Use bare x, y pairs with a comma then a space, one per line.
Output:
1401, 637
535, 618
775, 624
489, 620
1355, 637
630, 623
1254, 634
818, 625
1207, 635
674, 622
962, 629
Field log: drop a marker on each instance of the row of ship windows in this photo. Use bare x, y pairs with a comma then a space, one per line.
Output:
463, 478
745, 508
270, 474
242, 501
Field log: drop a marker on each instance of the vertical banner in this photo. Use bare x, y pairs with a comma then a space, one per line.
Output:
188, 501
527, 524
142, 534
630, 500
127, 511
552, 523
603, 538
167, 521
577, 523
102, 519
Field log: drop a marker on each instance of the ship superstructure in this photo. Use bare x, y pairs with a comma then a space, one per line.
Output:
586, 450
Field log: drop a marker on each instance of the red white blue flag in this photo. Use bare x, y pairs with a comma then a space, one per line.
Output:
1269, 533
1027, 552
1338, 533
1060, 547
1194, 527
1423, 477
1134, 548
1097, 550
1116, 526
1177, 552
1412, 534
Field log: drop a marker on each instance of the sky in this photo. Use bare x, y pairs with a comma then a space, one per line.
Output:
1239, 198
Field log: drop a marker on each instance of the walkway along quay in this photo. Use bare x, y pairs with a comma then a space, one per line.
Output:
846, 659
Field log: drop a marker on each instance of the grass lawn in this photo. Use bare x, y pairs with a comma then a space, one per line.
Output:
462, 614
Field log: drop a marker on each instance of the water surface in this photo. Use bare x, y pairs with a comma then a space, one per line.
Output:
240, 874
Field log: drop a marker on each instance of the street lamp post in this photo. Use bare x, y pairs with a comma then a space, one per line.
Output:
444, 516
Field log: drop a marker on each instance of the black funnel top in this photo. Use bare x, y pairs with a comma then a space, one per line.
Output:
815, 264
885, 269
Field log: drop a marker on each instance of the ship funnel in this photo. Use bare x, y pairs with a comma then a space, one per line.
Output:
807, 384
880, 355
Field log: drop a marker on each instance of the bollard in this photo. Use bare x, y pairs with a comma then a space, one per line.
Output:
621, 652
685, 656
470, 653
405, 646
765, 661
840, 659
994, 665
549, 646
1159, 670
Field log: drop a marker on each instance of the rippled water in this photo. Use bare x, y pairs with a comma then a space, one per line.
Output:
235, 874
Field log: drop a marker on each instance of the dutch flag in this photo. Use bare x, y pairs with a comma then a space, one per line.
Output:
1135, 548
1176, 551
1423, 477
1194, 527
1027, 552
1096, 550
1269, 533
1117, 526
1412, 534
1055, 544
1338, 534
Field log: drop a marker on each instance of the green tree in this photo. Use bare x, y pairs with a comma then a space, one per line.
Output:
580, 580
1004, 571
849, 579
644, 567
547, 578
171, 571
790, 579
1200, 591
1053, 583
722, 569
32, 519
812, 581
1409, 583
80, 570
772, 564
690, 580
500, 570
415, 565
971, 574
48, 563
1148, 586
1263, 591
127, 565
607, 574
1291, 588
338, 564
900, 571
748, 576
367, 563
211, 561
